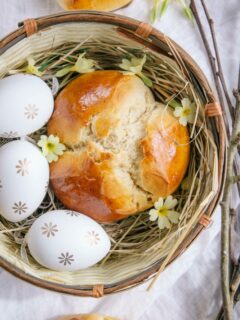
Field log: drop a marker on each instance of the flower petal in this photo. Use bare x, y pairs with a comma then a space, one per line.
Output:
127, 73
125, 65
135, 70
173, 216
153, 215
163, 223
45, 150
80, 57
53, 139
31, 61
87, 70
42, 141
51, 157
183, 121
83, 65
158, 204
186, 103
135, 65
138, 61
178, 111
31, 68
170, 202
59, 149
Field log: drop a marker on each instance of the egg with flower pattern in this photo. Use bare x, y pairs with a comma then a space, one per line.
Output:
24, 177
65, 240
26, 105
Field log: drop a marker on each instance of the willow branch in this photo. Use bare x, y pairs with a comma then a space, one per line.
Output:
217, 73
212, 60
220, 70
235, 278
235, 284
225, 240
235, 179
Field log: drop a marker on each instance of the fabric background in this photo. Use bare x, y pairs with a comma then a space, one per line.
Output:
190, 288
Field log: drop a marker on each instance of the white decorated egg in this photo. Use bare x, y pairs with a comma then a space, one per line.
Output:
26, 105
24, 178
66, 240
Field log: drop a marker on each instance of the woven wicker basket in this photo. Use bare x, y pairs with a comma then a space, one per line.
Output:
35, 35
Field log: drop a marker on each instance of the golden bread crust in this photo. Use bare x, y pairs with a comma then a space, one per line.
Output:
103, 5
125, 150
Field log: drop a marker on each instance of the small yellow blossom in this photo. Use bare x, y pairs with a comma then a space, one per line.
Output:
185, 113
164, 213
31, 68
82, 65
51, 147
134, 66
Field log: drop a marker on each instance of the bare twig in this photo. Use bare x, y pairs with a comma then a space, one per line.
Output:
235, 287
225, 241
235, 283
235, 277
217, 72
220, 70
233, 148
235, 179
212, 60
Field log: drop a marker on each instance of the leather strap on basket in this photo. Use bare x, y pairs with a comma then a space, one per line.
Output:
30, 26
213, 109
98, 291
143, 30
205, 221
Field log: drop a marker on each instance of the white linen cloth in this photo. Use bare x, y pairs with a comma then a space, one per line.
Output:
189, 289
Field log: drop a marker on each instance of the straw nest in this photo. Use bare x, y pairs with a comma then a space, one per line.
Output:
137, 243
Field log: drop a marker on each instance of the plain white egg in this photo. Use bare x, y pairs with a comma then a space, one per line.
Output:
24, 178
26, 105
65, 240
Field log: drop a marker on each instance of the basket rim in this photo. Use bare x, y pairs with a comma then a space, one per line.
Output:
128, 26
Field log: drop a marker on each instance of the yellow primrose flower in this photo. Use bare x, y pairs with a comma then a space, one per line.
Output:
82, 65
51, 147
31, 68
164, 213
185, 113
134, 66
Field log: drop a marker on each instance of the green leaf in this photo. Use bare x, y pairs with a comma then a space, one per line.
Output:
70, 59
46, 62
42, 67
186, 10
164, 7
174, 104
188, 13
63, 72
155, 11
146, 80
